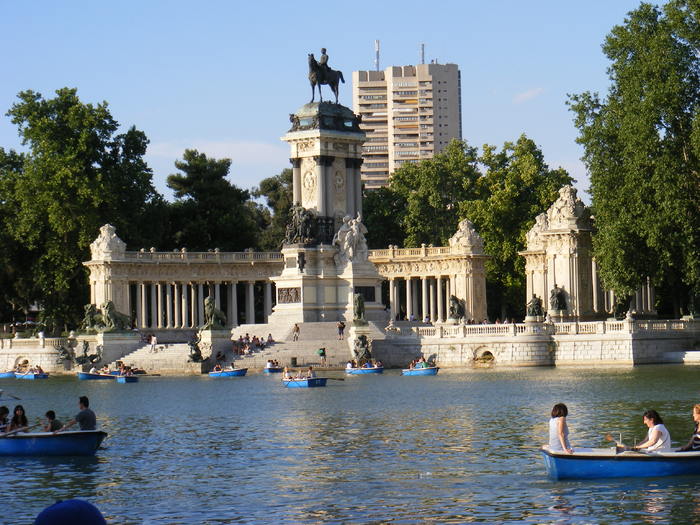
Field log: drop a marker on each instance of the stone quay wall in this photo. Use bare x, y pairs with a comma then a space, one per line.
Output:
539, 344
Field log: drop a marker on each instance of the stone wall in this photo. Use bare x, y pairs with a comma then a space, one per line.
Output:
538, 344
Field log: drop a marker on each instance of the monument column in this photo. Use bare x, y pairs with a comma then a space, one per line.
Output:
433, 316
200, 303
154, 306
440, 300
409, 298
424, 297
142, 307
183, 300
268, 300
217, 296
358, 186
177, 302
232, 307
392, 299
296, 180
168, 305
250, 303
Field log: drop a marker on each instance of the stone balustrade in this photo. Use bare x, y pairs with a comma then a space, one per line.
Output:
575, 328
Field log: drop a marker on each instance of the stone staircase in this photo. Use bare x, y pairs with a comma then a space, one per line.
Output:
168, 359
312, 336
172, 358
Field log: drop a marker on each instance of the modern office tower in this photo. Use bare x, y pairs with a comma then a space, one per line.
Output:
409, 113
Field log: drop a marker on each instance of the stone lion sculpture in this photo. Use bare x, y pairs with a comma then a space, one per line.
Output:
112, 320
214, 319
92, 319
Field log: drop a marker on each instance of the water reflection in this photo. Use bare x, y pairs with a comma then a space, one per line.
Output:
455, 448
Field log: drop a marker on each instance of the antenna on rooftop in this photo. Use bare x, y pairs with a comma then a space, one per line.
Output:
422, 53
376, 55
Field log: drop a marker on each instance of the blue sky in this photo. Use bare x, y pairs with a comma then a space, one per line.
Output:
183, 71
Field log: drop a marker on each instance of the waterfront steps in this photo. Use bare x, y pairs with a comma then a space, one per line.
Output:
312, 336
167, 359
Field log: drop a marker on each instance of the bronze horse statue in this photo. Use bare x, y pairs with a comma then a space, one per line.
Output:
332, 79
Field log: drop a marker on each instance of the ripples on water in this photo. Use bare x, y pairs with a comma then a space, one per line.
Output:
459, 447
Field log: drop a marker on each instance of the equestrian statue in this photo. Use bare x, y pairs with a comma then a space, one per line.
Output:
320, 73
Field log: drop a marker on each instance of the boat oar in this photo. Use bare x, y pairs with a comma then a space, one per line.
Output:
8, 395
336, 378
619, 447
21, 429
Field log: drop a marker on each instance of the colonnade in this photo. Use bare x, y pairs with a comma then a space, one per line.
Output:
180, 305
417, 298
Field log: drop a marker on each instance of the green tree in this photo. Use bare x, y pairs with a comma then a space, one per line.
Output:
78, 174
642, 149
432, 191
277, 192
517, 185
209, 212
383, 214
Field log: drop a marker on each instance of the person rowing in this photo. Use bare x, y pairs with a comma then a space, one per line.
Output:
4, 421
694, 443
658, 437
86, 418
18, 423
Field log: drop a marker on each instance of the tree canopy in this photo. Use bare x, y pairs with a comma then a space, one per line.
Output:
277, 192
501, 192
209, 211
77, 174
642, 149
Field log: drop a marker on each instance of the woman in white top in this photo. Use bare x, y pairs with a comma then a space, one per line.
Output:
558, 430
658, 438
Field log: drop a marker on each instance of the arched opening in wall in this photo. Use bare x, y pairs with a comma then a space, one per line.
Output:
484, 358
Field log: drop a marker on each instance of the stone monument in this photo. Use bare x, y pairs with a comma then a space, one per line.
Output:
325, 251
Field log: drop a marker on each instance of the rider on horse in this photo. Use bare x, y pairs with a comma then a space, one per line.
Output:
323, 66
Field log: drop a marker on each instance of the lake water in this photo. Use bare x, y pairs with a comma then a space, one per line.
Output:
458, 447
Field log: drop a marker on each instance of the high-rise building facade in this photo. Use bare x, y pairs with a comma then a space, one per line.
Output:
409, 113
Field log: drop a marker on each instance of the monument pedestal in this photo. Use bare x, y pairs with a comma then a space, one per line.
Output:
213, 341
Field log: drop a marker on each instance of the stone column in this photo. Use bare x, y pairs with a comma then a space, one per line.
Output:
141, 307
177, 302
217, 296
424, 293
168, 306
433, 314
414, 293
296, 180
268, 300
183, 300
440, 301
154, 306
250, 302
159, 287
232, 305
392, 299
409, 298
193, 305
323, 168
200, 304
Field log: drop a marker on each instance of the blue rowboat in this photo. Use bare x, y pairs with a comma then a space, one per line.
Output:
7, 375
126, 379
236, 372
429, 371
76, 443
374, 370
591, 463
31, 376
305, 383
274, 370
87, 376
